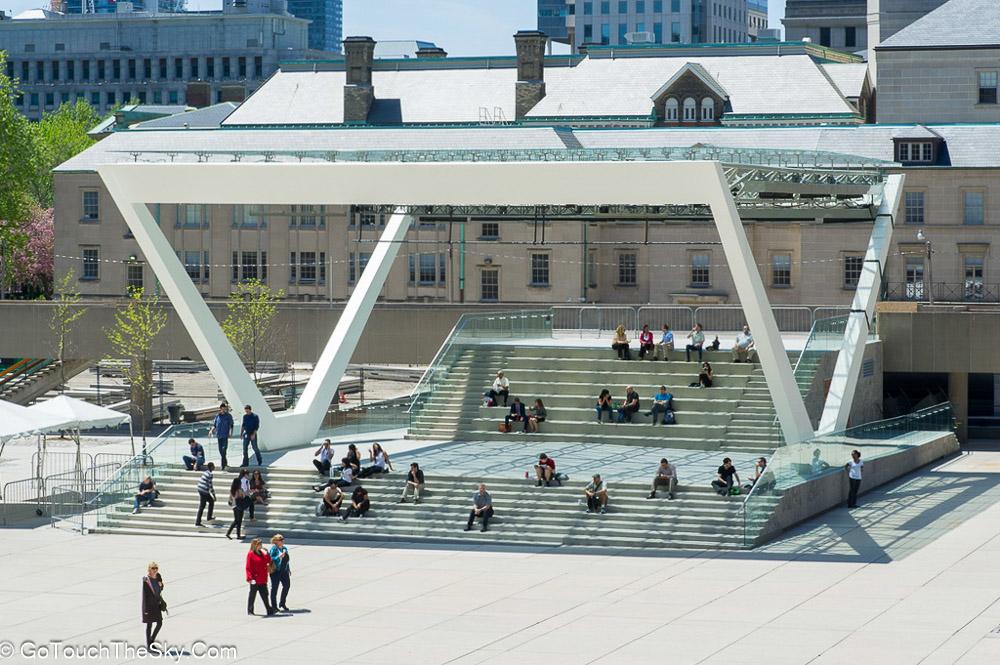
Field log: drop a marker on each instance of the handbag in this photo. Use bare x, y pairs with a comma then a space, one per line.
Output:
503, 427
271, 568
163, 605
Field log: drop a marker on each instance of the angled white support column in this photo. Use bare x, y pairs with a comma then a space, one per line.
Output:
840, 398
788, 404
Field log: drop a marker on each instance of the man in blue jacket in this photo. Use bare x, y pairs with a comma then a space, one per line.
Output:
196, 460
517, 414
248, 432
222, 427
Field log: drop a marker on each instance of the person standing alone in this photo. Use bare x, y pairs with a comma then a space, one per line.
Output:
222, 428
248, 432
854, 468
152, 602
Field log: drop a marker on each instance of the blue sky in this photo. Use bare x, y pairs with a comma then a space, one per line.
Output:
461, 27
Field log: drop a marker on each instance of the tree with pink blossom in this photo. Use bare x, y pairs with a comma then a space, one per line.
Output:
28, 269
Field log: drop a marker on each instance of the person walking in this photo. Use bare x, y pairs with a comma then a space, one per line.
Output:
222, 428
237, 499
152, 602
258, 562
282, 571
206, 493
854, 468
414, 483
248, 432
248, 502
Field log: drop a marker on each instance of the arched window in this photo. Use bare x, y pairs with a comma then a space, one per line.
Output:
690, 110
671, 110
708, 109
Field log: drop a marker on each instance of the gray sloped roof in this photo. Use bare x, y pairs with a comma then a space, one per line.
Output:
849, 77
955, 23
210, 116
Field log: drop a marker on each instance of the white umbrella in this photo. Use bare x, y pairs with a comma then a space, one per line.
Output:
17, 421
77, 414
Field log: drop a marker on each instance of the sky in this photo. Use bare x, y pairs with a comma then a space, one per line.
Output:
461, 27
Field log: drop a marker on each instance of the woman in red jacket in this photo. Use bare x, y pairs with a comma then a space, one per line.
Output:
258, 561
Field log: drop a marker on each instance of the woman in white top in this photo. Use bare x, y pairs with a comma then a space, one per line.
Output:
346, 473
854, 478
380, 462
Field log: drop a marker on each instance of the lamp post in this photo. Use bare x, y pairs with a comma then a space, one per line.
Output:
930, 268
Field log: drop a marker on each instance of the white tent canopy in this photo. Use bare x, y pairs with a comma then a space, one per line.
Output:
17, 420
76, 414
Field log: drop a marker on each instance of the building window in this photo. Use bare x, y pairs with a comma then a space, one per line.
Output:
248, 217
623, 6
588, 32
210, 67
622, 30
588, 8
675, 6
657, 6
226, 70
973, 208
850, 37
428, 264
853, 264
605, 7
605, 33
824, 36
701, 271
988, 87
195, 264
658, 32
91, 207
675, 31
489, 285
490, 231
307, 267
627, 263
914, 278
356, 263
915, 152
305, 216
133, 276
690, 110
191, 216
592, 269
914, 202
707, 109
369, 218
241, 67
972, 267
781, 270
539, 269
640, 6
671, 109
91, 263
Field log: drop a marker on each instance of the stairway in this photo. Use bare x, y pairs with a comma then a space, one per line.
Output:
736, 412
526, 515
37, 377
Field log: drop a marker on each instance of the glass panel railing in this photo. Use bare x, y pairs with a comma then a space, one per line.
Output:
798, 463
472, 329
826, 335
363, 419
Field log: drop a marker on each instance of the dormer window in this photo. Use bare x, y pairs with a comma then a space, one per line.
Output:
692, 96
690, 110
915, 151
707, 109
672, 109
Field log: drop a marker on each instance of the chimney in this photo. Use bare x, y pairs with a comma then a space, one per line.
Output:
530, 86
431, 52
358, 90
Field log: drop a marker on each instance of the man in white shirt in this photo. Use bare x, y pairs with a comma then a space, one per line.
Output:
744, 344
500, 388
666, 343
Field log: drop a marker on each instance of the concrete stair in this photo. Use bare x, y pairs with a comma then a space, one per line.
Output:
526, 515
736, 413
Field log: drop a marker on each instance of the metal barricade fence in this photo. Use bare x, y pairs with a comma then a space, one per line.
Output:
107, 458
732, 318
566, 317
23, 498
67, 503
678, 317
60, 462
606, 319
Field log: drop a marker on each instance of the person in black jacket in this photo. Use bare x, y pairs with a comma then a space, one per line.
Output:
414, 483
152, 602
517, 413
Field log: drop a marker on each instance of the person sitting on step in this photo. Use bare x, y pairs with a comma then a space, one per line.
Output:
380, 462
604, 404
545, 471
666, 343
645, 343
147, 493
724, 480
482, 507
537, 415
346, 473
630, 406
597, 495
325, 455
743, 346
697, 336
258, 488
517, 414
666, 474
196, 460
359, 504
663, 407
500, 388
414, 483
705, 376
333, 497
620, 344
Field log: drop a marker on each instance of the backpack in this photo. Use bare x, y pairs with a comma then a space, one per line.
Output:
668, 418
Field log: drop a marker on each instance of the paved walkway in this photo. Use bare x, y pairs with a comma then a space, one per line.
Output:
910, 577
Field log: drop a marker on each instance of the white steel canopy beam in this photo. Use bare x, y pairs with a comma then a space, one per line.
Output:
650, 183
844, 382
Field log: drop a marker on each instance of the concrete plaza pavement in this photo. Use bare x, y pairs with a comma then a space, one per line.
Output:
910, 577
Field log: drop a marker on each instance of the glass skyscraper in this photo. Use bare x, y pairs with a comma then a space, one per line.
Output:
327, 16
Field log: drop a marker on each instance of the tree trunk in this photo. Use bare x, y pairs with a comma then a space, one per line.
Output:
141, 403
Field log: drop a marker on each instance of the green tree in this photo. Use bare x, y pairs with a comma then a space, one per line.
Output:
57, 137
137, 324
251, 327
65, 313
17, 159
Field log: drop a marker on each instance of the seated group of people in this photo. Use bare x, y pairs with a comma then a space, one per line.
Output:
530, 417
662, 409
727, 480
621, 344
350, 466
